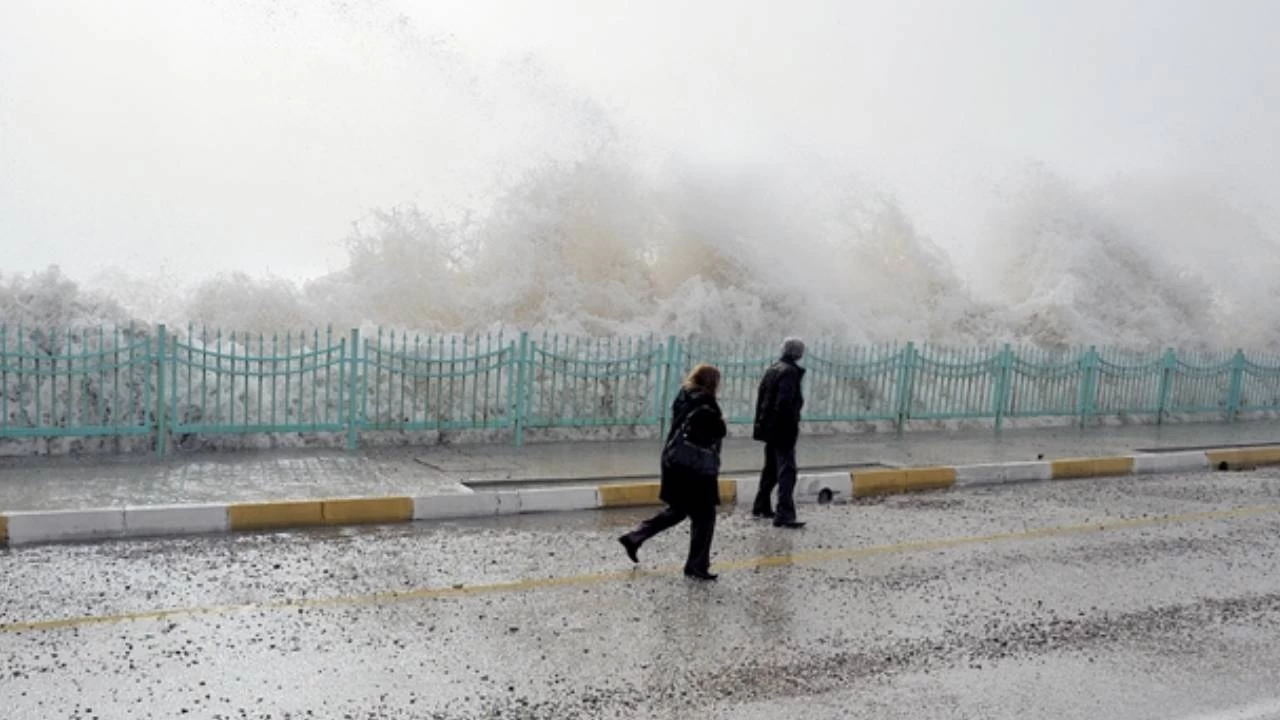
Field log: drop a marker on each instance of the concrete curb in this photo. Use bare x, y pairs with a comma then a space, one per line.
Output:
48, 526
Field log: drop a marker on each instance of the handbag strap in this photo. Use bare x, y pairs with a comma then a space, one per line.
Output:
682, 430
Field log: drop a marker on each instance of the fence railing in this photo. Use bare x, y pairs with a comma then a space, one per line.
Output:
176, 386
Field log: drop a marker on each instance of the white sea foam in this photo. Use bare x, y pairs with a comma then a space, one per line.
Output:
508, 197
592, 247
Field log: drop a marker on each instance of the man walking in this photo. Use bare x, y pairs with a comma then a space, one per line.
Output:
778, 406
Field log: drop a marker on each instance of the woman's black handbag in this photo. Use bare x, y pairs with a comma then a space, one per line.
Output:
683, 456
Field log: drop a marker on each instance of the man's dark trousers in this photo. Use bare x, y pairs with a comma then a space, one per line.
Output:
780, 472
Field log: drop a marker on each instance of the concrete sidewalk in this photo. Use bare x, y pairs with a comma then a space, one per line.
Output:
62, 483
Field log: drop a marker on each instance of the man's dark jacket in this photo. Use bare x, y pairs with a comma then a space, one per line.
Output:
778, 404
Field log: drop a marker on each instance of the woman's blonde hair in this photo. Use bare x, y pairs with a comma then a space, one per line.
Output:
704, 377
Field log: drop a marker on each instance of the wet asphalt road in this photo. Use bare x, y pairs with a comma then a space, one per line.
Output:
1134, 598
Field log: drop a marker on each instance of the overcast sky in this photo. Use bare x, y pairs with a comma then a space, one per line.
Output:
202, 137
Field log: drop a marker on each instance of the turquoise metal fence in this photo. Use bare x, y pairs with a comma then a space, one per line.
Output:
435, 383
245, 384
580, 382
59, 384
176, 388
1259, 386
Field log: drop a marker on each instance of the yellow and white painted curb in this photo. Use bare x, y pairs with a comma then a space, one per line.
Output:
46, 526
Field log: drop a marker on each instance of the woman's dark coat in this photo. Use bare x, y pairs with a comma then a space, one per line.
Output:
706, 429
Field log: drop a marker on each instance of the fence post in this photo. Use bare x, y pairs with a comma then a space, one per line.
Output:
1168, 367
664, 401
1005, 364
522, 389
1088, 384
906, 379
353, 386
162, 427
512, 367
1237, 385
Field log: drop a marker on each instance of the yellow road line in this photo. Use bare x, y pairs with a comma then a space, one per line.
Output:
800, 558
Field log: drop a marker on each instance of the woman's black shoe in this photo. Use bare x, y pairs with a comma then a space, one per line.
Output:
631, 546
700, 575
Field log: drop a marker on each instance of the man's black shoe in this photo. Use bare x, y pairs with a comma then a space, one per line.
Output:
791, 524
700, 575
766, 515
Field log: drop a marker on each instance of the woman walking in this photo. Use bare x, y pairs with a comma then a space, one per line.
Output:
690, 472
